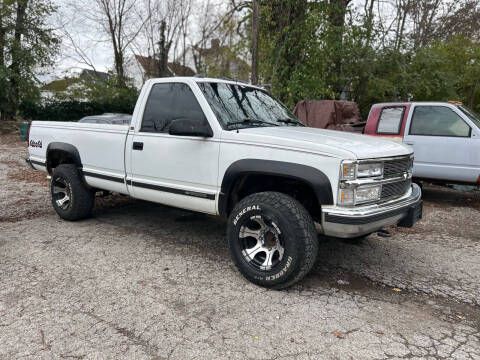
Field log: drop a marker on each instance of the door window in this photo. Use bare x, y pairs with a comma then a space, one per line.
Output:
472, 115
168, 102
390, 120
438, 121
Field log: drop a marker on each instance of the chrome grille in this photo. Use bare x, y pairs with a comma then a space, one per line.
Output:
396, 167
396, 189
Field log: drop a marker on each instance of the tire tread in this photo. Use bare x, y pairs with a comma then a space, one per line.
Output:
302, 222
83, 197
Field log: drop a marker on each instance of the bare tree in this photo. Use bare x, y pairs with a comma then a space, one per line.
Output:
462, 18
404, 7
113, 21
416, 23
211, 20
122, 28
166, 29
424, 14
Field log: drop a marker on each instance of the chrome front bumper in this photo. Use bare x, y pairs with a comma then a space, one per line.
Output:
346, 222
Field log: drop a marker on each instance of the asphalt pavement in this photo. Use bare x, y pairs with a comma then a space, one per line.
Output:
144, 281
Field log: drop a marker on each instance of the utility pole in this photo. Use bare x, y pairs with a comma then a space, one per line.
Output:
255, 18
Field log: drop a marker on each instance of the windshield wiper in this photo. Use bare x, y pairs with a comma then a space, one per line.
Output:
250, 121
290, 121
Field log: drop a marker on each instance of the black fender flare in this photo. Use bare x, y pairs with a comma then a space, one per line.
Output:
315, 178
66, 148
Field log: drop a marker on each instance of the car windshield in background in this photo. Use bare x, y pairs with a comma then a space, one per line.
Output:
107, 118
242, 106
472, 115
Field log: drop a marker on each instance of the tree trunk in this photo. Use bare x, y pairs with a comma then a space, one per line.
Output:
163, 50
370, 16
337, 13
255, 20
13, 97
2, 35
405, 7
3, 100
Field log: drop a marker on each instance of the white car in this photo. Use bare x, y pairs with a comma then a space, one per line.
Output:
444, 135
230, 149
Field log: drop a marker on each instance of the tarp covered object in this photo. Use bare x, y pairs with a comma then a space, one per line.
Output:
328, 114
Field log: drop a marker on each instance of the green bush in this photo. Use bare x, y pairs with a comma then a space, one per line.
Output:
71, 110
90, 96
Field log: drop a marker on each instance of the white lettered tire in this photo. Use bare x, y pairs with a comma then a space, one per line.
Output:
272, 239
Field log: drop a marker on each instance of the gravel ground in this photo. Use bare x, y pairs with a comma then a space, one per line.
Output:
143, 281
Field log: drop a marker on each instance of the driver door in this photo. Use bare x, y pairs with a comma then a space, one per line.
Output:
180, 171
443, 144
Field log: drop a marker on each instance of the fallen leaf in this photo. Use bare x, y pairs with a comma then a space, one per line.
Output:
255, 337
45, 345
338, 334
461, 317
292, 340
397, 289
379, 332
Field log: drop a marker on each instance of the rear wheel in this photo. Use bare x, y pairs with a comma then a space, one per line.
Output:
71, 198
272, 239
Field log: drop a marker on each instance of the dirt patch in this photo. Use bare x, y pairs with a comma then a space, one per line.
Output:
32, 177
9, 127
443, 196
10, 163
28, 214
12, 139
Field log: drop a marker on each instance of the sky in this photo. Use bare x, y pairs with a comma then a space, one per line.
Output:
74, 26
88, 39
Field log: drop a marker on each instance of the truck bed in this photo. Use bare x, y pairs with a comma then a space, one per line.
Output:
101, 154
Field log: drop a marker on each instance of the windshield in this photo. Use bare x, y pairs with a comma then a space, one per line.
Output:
241, 106
472, 115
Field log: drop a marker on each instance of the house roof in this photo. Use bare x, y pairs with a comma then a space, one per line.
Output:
150, 66
59, 84
87, 73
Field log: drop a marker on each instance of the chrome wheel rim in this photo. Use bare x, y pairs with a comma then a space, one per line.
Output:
261, 243
62, 193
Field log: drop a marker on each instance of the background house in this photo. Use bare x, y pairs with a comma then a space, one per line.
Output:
141, 68
215, 61
220, 61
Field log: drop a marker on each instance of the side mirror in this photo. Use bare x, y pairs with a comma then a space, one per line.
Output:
184, 127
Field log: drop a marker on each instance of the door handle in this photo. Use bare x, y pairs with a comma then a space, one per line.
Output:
137, 145
409, 143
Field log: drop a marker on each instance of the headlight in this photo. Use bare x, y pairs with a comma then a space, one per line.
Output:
367, 194
349, 170
346, 197
369, 170
360, 195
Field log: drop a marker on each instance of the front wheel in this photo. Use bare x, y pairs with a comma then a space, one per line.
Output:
272, 239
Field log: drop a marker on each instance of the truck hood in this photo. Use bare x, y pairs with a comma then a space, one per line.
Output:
335, 143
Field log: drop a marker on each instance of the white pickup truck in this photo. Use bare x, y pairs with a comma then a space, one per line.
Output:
230, 149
